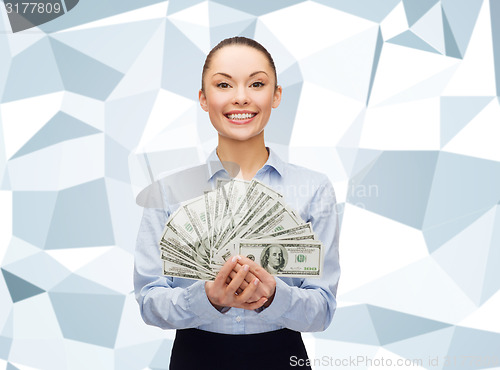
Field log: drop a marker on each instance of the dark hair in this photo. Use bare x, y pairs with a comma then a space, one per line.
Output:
237, 40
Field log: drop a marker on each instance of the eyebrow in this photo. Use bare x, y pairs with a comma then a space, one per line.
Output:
229, 76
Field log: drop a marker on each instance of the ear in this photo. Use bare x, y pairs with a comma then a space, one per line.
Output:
277, 97
203, 100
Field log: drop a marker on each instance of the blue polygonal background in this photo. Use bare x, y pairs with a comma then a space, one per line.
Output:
396, 100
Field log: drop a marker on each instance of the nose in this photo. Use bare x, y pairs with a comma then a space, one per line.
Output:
241, 96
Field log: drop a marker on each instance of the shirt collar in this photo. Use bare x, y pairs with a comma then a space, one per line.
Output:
215, 166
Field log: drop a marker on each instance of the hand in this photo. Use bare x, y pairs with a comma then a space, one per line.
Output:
259, 292
266, 288
223, 294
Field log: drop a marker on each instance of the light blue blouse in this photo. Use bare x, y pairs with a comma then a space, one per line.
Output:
300, 304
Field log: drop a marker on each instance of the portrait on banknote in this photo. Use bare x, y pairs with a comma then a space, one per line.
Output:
273, 258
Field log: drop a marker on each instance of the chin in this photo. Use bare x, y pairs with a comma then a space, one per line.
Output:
240, 136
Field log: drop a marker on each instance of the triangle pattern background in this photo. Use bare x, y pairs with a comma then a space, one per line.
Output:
397, 101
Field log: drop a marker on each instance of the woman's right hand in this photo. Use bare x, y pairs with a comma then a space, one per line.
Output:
222, 291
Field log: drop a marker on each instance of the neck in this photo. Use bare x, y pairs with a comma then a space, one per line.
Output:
250, 155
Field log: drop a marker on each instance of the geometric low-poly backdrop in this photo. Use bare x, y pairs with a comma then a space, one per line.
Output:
397, 101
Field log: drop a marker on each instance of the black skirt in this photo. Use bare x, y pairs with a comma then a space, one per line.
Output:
275, 350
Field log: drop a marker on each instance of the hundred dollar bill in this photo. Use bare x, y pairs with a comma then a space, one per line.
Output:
263, 206
236, 192
172, 240
230, 249
260, 203
284, 257
173, 255
299, 237
281, 219
229, 192
217, 214
247, 196
173, 269
209, 205
183, 232
197, 214
293, 231
254, 190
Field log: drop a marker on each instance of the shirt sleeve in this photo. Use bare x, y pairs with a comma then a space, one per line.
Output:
162, 303
308, 305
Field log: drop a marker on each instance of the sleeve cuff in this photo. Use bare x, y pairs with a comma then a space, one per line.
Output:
280, 303
199, 303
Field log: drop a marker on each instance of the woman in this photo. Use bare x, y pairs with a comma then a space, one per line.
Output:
245, 318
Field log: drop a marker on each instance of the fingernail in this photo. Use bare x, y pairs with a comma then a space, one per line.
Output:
239, 257
233, 259
256, 282
246, 267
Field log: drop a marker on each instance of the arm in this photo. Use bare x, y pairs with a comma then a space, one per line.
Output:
309, 304
162, 303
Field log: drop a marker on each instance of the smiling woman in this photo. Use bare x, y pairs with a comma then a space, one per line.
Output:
239, 90
246, 318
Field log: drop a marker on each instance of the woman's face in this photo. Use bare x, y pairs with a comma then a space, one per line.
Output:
239, 92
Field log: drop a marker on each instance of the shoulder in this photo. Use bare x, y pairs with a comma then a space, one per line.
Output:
306, 178
292, 173
306, 173
305, 189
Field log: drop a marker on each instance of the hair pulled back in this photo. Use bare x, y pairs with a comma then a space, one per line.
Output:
237, 40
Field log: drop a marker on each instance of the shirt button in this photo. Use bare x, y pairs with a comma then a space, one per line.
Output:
238, 319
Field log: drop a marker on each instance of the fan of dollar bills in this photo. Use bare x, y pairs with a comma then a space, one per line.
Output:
238, 217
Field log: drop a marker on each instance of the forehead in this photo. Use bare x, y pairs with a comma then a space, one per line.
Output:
239, 58
274, 249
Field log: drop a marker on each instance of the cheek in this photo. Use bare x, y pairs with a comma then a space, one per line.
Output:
266, 102
218, 101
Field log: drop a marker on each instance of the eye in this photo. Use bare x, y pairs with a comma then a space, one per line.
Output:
257, 84
223, 85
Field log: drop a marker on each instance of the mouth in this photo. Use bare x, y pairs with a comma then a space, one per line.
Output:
240, 117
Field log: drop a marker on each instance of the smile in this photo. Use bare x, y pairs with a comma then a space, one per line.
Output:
241, 116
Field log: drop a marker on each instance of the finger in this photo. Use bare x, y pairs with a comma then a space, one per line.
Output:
249, 277
238, 279
243, 285
223, 274
247, 261
245, 282
255, 269
249, 290
254, 305
239, 290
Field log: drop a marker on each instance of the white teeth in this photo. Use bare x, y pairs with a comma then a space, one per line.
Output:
241, 116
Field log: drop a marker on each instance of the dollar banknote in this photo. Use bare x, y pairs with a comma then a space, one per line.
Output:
238, 217
292, 258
